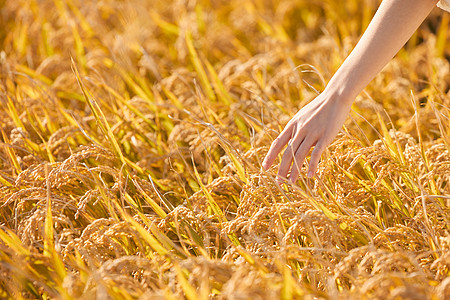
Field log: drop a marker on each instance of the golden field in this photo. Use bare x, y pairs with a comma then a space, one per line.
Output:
132, 135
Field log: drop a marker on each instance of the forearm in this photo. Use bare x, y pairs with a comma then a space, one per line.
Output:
392, 26
317, 123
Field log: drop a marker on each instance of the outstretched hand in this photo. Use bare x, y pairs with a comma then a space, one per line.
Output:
315, 125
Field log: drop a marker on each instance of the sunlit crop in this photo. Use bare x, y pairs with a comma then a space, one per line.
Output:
132, 136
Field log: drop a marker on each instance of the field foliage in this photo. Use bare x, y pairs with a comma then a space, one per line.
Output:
132, 135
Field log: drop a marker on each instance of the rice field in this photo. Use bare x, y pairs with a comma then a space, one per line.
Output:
132, 136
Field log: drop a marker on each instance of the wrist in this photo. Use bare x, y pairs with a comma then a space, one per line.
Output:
342, 92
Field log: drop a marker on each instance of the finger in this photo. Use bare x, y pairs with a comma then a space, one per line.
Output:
288, 155
315, 157
276, 147
299, 158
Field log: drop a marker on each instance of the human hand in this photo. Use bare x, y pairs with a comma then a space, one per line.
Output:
315, 125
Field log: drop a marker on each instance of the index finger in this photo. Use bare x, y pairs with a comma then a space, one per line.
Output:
276, 147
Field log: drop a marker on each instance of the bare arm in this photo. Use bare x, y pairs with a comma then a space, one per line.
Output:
317, 123
392, 26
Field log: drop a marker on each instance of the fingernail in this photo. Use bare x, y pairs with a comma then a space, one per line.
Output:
264, 165
310, 174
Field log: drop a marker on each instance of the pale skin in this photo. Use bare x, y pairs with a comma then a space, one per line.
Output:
317, 124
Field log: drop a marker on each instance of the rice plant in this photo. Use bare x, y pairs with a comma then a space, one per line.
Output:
132, 136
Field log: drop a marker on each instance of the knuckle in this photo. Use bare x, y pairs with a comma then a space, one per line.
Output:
297, 165
288, 152
319, 148
316, 151
315, 156
276, 142
301, 151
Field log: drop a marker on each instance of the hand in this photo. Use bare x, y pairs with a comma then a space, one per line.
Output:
316, 125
